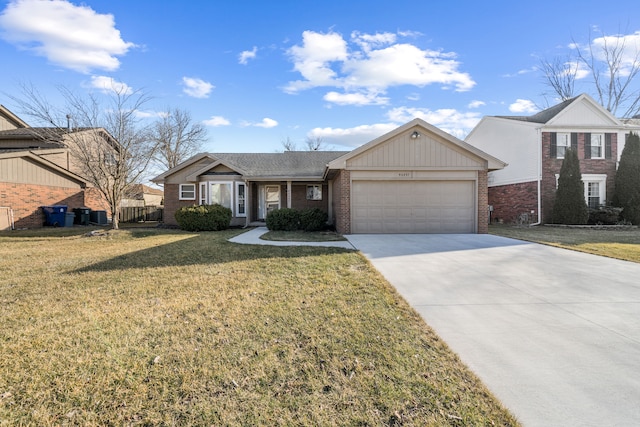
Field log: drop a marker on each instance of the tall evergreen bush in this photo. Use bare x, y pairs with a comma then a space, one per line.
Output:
627, 192
570, 206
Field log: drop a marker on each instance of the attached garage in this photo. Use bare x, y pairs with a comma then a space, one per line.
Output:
415, 179
413, 207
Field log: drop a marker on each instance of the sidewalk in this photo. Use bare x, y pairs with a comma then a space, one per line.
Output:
252, 237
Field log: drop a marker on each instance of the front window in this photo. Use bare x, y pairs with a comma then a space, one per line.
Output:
203, 193
593, 194
187, 192
563, 143
221, 194
597, 146
314, 192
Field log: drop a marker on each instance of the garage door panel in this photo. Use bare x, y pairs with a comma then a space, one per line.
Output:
413, 207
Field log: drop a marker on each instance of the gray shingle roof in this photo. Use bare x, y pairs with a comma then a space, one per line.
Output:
288, 164
543, 116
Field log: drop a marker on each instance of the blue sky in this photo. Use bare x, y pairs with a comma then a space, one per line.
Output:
259, 72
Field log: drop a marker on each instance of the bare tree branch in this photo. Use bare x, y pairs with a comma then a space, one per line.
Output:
177, 137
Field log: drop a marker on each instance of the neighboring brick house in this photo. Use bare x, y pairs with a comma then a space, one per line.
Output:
37, 169
534, 147
414, 179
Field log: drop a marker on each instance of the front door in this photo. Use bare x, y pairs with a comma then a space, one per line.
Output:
269, 200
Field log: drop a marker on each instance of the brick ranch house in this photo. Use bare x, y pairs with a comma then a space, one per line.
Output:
36, 169
534, 148
414, 179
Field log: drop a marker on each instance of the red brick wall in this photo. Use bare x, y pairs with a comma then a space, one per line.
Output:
510, 201
342, 202
552, 166
299, 198
25, 201
483, 203
172, 204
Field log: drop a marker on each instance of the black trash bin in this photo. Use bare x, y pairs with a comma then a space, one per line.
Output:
55, 215
82, 216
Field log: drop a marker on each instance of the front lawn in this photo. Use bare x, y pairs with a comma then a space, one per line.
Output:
163, 327
620, 243
303, 236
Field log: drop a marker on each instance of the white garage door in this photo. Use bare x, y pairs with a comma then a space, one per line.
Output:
413, 207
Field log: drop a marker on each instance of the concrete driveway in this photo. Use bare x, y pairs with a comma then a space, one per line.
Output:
555, 334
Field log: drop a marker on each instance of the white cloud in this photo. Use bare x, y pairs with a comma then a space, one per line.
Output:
265, 123
74, 37
452, 121
355, 98
372, 64
523, 106
476, 104
216, 121
196, 88
246, 55
351, 137
109, 85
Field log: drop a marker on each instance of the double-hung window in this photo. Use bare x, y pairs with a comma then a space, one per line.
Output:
187, 192
597, 146
593, 194
563, 141
241, 203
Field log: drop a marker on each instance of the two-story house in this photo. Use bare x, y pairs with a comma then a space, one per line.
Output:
534, 147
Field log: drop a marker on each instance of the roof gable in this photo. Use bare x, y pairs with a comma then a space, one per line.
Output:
8, 120
432, 148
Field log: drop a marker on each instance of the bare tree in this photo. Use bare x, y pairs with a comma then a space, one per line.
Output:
108, 145
177, 137
613, 63
289, 145
315, 144
560, 75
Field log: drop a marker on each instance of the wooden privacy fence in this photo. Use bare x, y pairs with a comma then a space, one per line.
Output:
141, 213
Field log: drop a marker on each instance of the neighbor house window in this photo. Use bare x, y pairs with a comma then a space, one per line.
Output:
221, 194
597, 146
187, 192
241, 195
593, 194
563, 141
314, 192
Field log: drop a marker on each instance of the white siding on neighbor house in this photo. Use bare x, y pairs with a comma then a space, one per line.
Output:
514, 142
403, 152
580, 114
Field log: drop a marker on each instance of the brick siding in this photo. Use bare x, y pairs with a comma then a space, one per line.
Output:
511, 202
342, 202
26, 199
552, 166
483, 203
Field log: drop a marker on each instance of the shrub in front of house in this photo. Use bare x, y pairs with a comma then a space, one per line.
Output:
627, 190
203, 218
313, 219
570, 206
284, 219
604, 215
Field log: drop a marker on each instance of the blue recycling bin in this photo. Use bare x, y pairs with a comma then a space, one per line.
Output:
55, 216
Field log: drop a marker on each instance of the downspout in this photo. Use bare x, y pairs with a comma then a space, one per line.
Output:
539, 156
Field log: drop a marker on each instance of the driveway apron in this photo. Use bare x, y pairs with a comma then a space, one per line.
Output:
553, 333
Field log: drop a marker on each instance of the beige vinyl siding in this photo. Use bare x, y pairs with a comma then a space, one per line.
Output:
425, 152
180, 176
25, 171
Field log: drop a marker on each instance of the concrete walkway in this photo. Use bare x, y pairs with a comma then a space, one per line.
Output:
252, 237
555, 334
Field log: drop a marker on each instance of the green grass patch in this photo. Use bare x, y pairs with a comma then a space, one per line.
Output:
163, 327
620, 243
303, 236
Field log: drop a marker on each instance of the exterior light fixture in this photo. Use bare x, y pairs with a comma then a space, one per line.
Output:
415, 134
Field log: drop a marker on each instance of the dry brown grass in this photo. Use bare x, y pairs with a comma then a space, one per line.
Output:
158, 327
620, 243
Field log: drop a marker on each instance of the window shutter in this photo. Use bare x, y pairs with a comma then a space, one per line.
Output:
574, 141
553, 149
587, 145
607, 145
